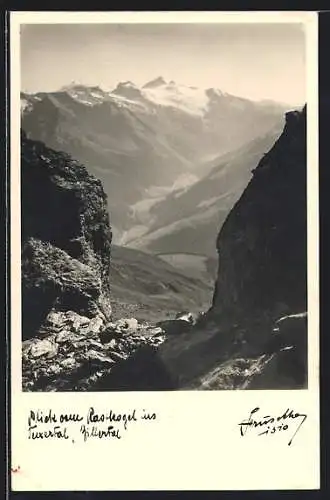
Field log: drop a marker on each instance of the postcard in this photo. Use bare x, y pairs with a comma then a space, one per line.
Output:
164, 251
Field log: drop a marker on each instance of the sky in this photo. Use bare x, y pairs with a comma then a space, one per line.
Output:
257, 61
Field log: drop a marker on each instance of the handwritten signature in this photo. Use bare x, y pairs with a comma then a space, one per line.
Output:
269, 424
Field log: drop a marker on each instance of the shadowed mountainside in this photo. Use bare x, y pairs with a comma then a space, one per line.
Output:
262, 246
262, 277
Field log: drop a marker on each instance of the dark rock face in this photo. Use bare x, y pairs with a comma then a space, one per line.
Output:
66, 237
263, 244
255, 334
288, 346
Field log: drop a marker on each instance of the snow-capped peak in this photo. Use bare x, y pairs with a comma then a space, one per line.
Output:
73, 86
214, 93
188, 99
123, 86
88, 95
128, 90
155, 83
127, 84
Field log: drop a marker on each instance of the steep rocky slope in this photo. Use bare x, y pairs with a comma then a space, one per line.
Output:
262, 246
262, 278
66, 237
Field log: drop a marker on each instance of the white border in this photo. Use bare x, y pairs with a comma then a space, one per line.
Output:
195, 444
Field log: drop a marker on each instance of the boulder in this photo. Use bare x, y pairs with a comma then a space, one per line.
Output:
65, 336
94, 326
125, 325
113, 344
68, 362
98, 358
186, 316
43, 348
56, 319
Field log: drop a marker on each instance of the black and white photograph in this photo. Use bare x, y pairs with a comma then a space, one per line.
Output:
164, 322
163, 206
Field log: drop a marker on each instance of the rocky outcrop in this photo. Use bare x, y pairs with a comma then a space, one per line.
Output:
77, 353
66, 238
255, 333
262, 245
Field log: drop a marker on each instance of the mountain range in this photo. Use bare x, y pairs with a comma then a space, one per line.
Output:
158, 148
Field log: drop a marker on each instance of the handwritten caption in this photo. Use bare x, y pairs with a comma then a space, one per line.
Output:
289, 421
92, 425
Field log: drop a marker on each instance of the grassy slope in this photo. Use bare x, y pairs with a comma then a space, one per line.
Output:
146, 287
